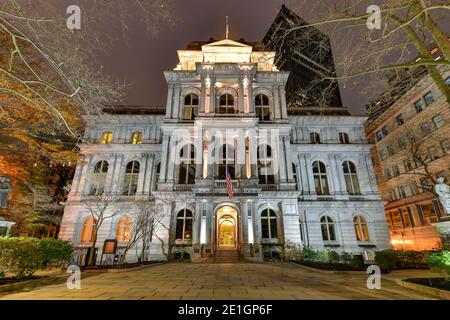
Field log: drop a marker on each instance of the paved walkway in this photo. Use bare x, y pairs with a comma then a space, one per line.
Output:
223, 281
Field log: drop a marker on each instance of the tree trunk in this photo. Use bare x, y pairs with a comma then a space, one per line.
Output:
91, 254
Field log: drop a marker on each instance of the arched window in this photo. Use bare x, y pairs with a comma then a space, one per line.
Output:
328, 230
294, 174
186, 174
99, 178
124, 229
226, 161
362, 233
320, 178
131, 178
262, 106
269, 224
343, 138
226, 104
107, 137
351, 178
314, 138
136, 138
190, 108
184, 225
265, 165
88, 231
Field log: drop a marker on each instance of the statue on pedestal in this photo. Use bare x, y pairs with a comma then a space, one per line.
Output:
443, 191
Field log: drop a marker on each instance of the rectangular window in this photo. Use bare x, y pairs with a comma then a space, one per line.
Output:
390, 150
437, 121
401, 143
106, 137
343, 138
410, 215
413, 188
393, 195
400, 120
430, 154
136, 138
387, 174
385, 131
418, 105
395, 171
378, 135
406, 219
407, 165
428, 98
383, 154
401, 192
425, 127
445, 147
420, 214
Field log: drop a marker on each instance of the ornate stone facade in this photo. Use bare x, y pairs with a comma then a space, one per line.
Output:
306, 180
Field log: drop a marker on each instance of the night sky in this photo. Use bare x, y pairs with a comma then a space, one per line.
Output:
141, 60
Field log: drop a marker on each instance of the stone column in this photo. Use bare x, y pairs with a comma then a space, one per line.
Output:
253, 153
171, 160
303, 172
148, 174
169, 105
276, 102
283, 105
176, 102
164, 157
84, 174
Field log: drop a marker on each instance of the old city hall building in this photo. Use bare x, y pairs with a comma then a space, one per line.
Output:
304, 180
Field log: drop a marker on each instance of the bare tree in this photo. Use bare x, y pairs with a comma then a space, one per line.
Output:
101, 207
148, 215
407, 31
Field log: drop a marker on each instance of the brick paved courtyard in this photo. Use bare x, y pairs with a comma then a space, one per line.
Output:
222, 281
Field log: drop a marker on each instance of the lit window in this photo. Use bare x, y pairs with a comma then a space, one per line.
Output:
343, 138
88, 231
263, 110
314, 138
269, 224
362, 233
351, 178
328, 230
124, 229
136, 138
190, 108
184, 225
437, 121
320, 178
131, 179
106, 137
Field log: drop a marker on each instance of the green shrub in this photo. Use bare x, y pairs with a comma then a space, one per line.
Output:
386, 260
356, 261
24, 256
439, 262
346, 257
333, 256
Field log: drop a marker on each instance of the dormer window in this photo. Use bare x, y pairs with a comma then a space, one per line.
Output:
226, 104
314, 138
190, 108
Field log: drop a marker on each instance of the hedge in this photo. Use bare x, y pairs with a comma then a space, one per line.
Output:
440, 261
24, 256
401, 259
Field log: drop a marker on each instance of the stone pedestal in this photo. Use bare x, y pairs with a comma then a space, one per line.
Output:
443, 227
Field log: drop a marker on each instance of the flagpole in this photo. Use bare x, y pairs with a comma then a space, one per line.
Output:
226, 27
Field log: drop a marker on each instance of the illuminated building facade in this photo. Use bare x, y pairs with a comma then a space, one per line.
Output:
302, 179
409, 126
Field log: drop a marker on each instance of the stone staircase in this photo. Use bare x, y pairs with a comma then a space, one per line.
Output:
226, 256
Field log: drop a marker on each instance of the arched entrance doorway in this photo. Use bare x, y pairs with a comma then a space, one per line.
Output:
227, 228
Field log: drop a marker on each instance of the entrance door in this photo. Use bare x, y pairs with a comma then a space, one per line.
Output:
227, 230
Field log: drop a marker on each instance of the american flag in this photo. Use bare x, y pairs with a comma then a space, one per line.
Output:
229, 185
